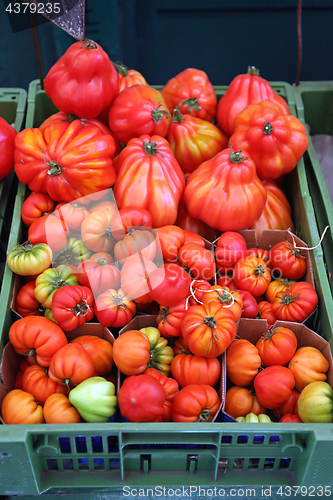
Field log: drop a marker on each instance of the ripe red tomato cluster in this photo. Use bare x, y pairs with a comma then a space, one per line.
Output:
252, 271
52, 367
270, 374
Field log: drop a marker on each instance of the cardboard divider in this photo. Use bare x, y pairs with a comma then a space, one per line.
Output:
10, 363
253, 329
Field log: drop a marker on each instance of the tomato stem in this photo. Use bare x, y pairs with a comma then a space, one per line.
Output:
118, 300
210, 321
236, 157
82, 308
88, 44
252, 70
287, 298
160, 114
268, 129
259, 270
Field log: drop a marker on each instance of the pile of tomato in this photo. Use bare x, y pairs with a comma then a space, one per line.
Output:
136, 199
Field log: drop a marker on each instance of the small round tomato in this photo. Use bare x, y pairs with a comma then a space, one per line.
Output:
290, 406
26, 303
169, 319
288, 418
277, 346
289, 260
252, 274
250, 305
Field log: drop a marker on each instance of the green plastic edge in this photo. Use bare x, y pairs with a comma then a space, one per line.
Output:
309, 443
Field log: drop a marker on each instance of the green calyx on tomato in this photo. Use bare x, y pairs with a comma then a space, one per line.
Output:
150, 148
88, 44
287, 298
160, 114
94, 399
210, 321
259, 271
192, 103
82, 308
236, 157
54, 168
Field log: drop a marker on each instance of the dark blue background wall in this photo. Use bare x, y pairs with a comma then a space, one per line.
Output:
160, 38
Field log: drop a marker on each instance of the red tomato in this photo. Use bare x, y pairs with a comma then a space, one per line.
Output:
296, 303
198, 289
26, 303
149, 177
225, 191
194, 140
275, 141
194, 226
169, 285
72, 213
273, 386
37, 337
35, 206
242, 362
141, 398
245, 89
169, 319
7, 147
128, 77
171, 238
191, 369
50, 230
100, 351
71, 365
252, 274
231, 246
191, 83
208, 329
250, 305
98, 276
288, 418
66, 162
129, 218
290, 406
142, 243
277, 346
36, 381
135, 277
96, 230
72, 306
227, 298
195, 403
288, 260
114, 308
199, 260
266, 312
137, 110
193, 237
83, 80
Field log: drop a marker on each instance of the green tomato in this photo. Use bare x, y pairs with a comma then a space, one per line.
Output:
161, 354
315, 404
94, 399
51, 280
28, 259
253, 418
73, 253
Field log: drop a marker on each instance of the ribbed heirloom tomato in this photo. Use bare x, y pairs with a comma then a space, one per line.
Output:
20, 407
252, 274
72, 306
277, 346
225, 191
243, 362
208, 329
28, 259
273, 386
100, 351
71, 365
36, 381
191, 369
83, 81
131, 352
137, 110
35, 206
66, 162
114, 308
195, 403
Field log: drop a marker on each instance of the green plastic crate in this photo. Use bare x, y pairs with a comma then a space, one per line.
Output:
12, 109
94, 461
314, 103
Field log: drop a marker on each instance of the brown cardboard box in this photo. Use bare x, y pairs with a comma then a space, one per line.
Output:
11, 360
253, 329
145, 321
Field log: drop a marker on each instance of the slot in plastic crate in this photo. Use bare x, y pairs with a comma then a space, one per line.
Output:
314, 104
95, 460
